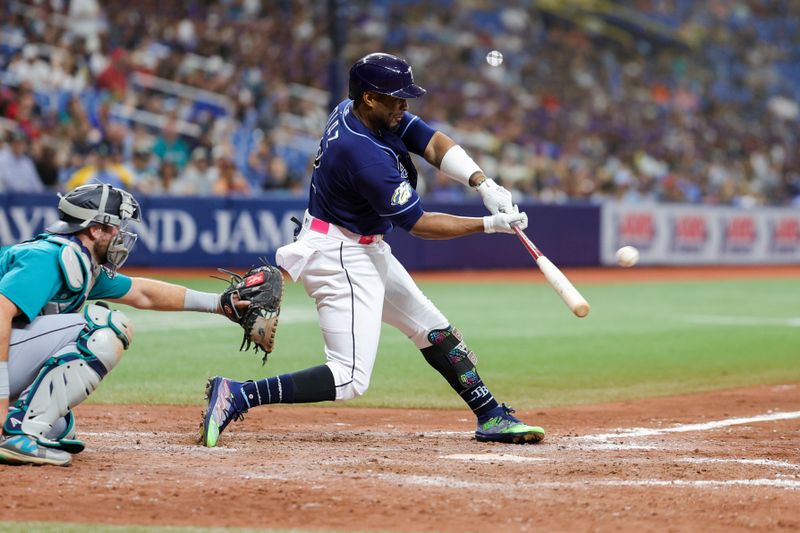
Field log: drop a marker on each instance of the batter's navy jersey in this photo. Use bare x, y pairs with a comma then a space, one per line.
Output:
31, 276
366, 182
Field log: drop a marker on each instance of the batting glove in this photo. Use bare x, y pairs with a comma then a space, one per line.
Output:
504, 222
497, 199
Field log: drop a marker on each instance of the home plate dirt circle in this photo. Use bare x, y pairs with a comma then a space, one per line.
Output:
719, 461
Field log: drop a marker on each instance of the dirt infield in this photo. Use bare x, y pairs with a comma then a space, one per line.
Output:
719, 461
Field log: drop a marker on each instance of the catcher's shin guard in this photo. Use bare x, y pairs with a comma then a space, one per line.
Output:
67, 379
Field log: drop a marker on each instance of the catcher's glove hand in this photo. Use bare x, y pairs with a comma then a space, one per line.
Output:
262, 288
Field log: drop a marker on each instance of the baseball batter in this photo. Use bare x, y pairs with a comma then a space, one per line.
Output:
362, 186
54, 351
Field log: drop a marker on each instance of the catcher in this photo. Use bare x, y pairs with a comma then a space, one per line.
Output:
54, 351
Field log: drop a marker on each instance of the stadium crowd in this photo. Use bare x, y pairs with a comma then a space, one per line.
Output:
653, 100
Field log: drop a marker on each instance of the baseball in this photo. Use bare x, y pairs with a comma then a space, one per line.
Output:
494, 58
627, 256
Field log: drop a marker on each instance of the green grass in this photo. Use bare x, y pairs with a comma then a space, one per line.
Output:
641, 339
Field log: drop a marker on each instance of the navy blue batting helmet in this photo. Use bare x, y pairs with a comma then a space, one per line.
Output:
384, 74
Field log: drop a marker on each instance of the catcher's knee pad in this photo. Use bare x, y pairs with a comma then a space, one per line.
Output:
106, 335
68, 379
452, 358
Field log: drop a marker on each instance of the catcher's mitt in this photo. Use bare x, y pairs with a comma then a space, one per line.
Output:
263, 287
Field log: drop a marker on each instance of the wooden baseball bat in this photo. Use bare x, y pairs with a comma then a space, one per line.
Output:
576, 303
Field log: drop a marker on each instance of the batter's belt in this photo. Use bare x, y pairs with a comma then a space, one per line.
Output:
337, 232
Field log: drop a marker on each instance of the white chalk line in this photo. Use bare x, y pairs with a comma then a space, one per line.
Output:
597, 441
758, 462
685, 428
721, 320
591, 484
490, 457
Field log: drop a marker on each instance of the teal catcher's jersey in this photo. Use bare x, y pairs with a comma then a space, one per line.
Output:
54, 274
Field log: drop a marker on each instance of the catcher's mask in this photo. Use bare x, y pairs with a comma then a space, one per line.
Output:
100, 203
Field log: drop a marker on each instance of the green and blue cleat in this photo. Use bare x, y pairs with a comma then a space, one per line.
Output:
221, 409
508, 429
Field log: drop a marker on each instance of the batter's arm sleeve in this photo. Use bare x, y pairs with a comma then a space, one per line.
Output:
459, 166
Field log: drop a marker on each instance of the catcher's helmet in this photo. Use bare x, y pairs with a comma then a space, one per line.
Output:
384, 74
100, 203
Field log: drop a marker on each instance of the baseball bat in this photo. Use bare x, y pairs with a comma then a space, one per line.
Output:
576, 303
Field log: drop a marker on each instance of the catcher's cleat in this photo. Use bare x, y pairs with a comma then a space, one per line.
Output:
220, 410
509, 429
24, 450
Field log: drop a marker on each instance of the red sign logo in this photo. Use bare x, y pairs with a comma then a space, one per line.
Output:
690, 229
740, 231
787, 231
637, 228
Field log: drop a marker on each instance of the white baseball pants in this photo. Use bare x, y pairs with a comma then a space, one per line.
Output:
356, 287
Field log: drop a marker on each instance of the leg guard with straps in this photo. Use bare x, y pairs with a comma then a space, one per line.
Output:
67, 379
452, 358
456, 363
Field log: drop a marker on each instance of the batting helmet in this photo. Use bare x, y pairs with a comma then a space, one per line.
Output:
100, 203
384, 74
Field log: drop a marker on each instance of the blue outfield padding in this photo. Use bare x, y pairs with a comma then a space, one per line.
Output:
212, 232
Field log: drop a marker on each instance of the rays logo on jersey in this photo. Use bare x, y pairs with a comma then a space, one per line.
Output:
402, 194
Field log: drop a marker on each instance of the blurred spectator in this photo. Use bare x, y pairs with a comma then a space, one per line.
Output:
165, 182
114, 77
28, 67
266, 170
17, 171
46, 163
73, 122
229, 181
102, 168
170, 146
585, 107
198, 177
76, 160
142, 168
22, 110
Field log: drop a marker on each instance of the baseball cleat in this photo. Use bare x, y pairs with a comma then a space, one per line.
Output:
24, 450
220, 410
509, 429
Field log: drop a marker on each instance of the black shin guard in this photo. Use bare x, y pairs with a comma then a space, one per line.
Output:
451, 357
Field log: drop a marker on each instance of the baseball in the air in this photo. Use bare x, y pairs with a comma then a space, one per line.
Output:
627, 256
494, 58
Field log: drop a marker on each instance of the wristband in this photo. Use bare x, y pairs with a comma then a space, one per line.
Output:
458, 165
488, 224
206, 302
4, 384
